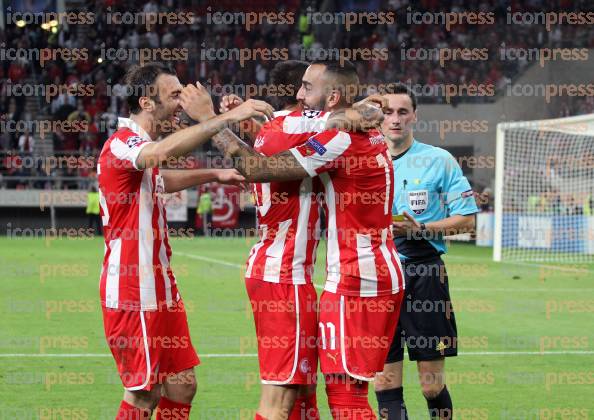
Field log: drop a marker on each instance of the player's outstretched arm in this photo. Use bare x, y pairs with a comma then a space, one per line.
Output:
250, 127
180, 179
256, 167
197, 103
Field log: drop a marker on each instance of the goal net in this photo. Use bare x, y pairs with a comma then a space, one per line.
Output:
544, 191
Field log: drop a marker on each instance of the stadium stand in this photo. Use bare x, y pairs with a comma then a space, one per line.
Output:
403, 40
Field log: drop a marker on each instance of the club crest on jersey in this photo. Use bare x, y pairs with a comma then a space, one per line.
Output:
418, 200
316, 145
133, 141
377, 139
311, 113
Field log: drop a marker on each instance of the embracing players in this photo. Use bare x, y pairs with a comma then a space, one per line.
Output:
279, 270
364, 285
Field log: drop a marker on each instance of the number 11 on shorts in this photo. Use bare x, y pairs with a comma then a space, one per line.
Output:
331, 333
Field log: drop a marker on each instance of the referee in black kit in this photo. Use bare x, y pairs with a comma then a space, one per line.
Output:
432, 198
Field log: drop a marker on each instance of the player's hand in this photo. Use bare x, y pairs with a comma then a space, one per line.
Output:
230, 176
371, 111
180, 125
362, 116
251, 108
197, 103
377, 101
229, 102
407, 227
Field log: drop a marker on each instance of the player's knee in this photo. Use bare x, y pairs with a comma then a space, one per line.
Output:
277, 401
144, 399
431, 390
188, 390
382, 385
278, 396
386, 381
181, 388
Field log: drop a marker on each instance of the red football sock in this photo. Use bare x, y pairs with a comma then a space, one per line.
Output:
169, 410
259, 417
129, 412
347, 398
305, 408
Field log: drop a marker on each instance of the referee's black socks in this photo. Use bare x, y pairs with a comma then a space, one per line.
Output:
440, 407
391, 404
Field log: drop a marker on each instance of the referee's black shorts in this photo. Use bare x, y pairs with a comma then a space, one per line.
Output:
427, 326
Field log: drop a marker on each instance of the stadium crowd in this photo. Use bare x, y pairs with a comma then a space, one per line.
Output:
413, 52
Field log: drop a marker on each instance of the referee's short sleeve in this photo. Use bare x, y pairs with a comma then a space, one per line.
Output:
456, 190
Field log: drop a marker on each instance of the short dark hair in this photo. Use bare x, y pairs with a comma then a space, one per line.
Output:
401, 89
288, 73
344, 75
140, 81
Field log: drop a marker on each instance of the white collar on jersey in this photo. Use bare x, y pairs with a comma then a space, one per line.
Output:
128, 123
282, 113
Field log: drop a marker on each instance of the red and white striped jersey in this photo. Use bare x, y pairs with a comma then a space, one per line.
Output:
136, 273
356, 172
288, 213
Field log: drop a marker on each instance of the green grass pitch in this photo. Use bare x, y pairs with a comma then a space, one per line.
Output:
526, 334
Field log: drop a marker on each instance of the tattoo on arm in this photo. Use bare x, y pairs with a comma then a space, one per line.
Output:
360, 117
256, 167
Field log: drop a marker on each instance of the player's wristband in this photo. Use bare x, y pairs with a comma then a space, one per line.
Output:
423, 230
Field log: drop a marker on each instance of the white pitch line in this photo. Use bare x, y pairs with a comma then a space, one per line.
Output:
526, 264
211, 260
511, 289
454, 257
101, 355
526, 353
43, 355
221, 262
458, 289
251, 355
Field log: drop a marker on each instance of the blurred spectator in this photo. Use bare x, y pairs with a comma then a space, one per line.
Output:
17, 71
13, 114
93, 108
63, 101
578, 105
5, 142
26, 142
80, 114
303, 40
70, 171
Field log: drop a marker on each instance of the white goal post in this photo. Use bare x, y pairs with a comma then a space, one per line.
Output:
544, 191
